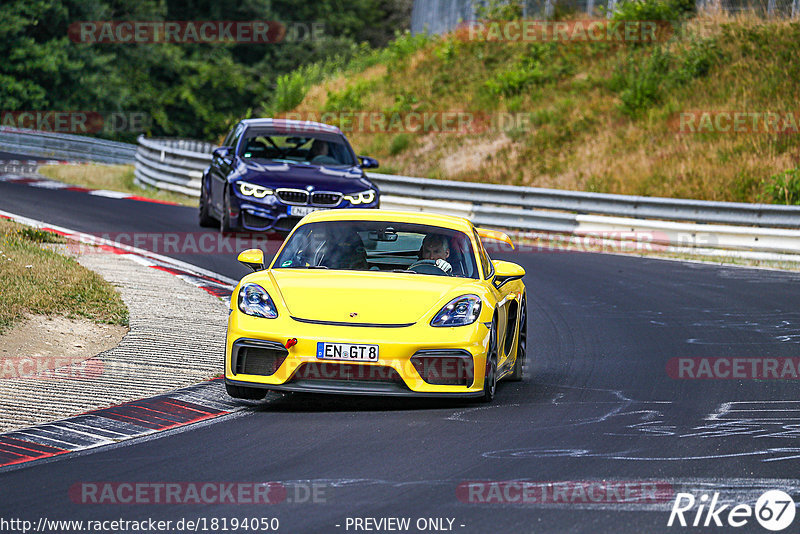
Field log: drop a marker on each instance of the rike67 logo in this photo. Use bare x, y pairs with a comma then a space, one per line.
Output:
774, 510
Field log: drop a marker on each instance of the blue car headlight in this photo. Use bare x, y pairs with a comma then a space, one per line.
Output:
460, 311
253, 190
363, 197
255, 301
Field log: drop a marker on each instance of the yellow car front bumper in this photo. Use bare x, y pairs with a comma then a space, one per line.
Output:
393, 373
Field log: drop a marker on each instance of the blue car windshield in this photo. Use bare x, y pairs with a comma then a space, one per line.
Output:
310, 148
379, 246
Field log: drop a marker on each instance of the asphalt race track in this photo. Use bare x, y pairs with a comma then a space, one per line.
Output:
597, 404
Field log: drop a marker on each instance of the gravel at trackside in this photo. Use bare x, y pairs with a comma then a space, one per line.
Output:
176, 338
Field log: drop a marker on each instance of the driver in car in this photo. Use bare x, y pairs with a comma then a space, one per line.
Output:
436, 249
320, 153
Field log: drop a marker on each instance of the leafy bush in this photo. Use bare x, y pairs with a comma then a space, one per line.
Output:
783, 188
404, 45
642, 79
640, 82
644, 10
543, 63
289, 92
499, 9
399, 143
349, 99
661, 10
699, 58
446, 51
404, 102
515, 80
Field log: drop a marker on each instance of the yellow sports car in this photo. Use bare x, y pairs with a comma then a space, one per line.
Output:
375, 302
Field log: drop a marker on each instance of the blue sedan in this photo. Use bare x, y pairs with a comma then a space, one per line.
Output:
270, 173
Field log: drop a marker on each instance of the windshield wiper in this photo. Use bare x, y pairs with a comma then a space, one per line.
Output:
404, 271
315, 267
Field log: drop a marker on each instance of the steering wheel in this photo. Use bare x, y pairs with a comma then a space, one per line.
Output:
426, 267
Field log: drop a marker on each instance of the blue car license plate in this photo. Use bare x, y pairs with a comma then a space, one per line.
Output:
301, 211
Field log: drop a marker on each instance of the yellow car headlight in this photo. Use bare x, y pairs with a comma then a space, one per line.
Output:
253, 190
254, 300
460, 311
363, 197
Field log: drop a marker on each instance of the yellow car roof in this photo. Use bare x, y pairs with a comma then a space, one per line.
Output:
432, 219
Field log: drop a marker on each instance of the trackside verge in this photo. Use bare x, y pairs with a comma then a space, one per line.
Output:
178, 318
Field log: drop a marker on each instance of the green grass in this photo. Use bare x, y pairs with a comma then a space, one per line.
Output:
34, 280
603, 115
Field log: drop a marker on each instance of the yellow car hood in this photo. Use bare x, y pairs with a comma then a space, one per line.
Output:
361, 297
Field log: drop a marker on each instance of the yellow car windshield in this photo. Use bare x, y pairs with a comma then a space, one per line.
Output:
379, 246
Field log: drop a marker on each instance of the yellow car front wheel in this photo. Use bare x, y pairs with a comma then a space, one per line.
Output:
490, 377
522, 342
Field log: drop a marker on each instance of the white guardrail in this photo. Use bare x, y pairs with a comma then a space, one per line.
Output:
178, 164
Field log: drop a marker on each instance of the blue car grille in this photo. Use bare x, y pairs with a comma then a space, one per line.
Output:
325, 199
290, 196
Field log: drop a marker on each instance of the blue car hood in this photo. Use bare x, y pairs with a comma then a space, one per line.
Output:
276, 175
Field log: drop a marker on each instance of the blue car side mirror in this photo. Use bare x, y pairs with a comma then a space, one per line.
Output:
223, 152
368, 163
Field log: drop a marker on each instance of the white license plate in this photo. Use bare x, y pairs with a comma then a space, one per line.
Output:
347, 351
301, 211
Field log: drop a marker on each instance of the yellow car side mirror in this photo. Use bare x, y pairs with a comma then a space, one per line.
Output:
505, 271
253, 258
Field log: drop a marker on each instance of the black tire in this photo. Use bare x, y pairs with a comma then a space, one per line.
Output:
241, 392
522, 344
490, 376
205, 219
225, 219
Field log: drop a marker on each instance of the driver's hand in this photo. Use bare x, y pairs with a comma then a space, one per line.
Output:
443, 265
